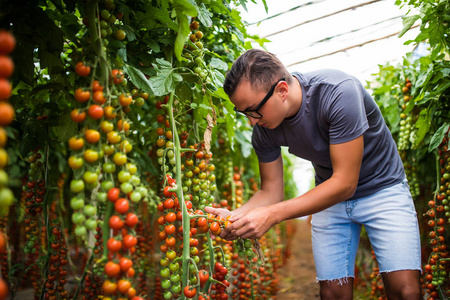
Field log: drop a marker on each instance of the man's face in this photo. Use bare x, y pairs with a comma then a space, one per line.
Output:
260, 107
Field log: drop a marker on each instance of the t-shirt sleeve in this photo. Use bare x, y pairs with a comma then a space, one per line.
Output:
345, 112
264, 148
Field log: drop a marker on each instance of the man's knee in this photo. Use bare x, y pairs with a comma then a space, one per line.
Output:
338, 289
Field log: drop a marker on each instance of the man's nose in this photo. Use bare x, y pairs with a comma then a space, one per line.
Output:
252, 120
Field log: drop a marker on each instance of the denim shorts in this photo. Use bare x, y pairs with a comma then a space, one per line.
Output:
390, 219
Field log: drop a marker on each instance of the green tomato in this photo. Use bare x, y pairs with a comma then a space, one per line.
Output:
76, 186
198, 61
176, 288
102, 197
135, 180
174, 267
120, 35
6, 197
164, 272
76, 203
165, 284
105, 14
131, 168
135, 197
126, 187
164, 262
80, 231
78, 218
109, 167
142, 190
123, 176
3, 178
90, 210
139, 101
90, 177
175, 278
167, 295
91, 224
109, 4
160, 152
106, 185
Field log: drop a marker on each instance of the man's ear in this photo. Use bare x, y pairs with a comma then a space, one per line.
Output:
282, 89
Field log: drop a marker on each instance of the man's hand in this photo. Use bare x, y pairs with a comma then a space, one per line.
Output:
218, 211
252, 224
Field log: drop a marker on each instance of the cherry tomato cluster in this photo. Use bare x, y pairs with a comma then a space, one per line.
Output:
4, 290
199, 178
110, 21
33, 193
438, 267
376, 284
121, 246
407, 131
7, 45
219, 289
170, 235
57, 275
407, 121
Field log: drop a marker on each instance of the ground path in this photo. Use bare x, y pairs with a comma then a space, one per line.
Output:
297, 277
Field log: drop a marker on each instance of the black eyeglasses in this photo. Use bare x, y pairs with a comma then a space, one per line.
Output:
254, 113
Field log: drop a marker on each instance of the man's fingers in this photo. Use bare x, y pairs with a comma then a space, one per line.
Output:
210, 210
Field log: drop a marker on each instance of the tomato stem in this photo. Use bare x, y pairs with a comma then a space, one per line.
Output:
186, 220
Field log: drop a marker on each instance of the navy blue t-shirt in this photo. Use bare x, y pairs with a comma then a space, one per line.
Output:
335, 108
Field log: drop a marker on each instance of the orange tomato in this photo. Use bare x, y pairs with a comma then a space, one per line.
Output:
82, 70
125, 100
3, 289
6, 114
76, 143
99, 97
96, 86
7, 42
6, 66
109, 287
123, 125
2, 242
5, 89
110, 113
82, 95
92, 136
3, 137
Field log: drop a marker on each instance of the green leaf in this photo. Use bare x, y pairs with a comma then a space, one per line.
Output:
217, 78
130, 35
182, 36
407, 23
70, 25
66, 128
230, 121
185, 7
244, 138
438, 136
204, 16
244, 4
165, 80
218, 64
423, 124
138, 78
238, 33
220, 93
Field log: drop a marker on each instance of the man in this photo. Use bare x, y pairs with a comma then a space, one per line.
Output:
328, 118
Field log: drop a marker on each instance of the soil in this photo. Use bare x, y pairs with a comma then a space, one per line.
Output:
298, 275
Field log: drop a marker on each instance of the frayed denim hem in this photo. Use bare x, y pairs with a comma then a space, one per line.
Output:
412, 269
340, 281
